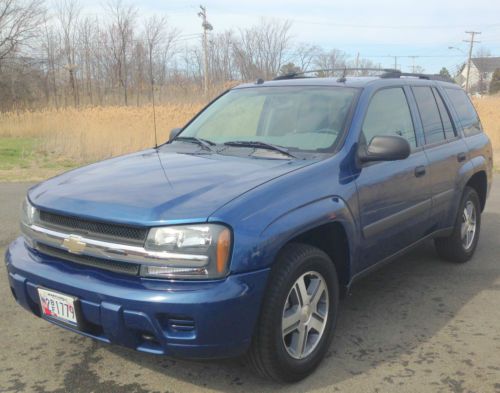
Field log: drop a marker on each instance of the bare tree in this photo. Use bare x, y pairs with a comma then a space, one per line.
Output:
50, 45
160, 40
222, 67
305, 55
121, 34
19, 24
68, 12
260, 50
88, 52
329, 60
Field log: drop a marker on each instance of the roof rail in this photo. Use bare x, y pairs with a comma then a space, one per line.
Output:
344, 71
399, 74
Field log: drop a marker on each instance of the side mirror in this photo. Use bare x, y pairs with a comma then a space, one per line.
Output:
386, 148
173, 133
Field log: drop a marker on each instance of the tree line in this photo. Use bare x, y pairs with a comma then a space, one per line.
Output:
63, 56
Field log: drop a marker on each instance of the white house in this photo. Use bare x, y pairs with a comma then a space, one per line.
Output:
481, 71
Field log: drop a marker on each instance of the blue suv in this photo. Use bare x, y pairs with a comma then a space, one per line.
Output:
241, 234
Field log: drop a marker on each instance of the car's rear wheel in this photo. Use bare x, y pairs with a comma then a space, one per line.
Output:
461, 245
298, 315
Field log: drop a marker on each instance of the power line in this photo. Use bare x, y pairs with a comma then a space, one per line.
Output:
396, 27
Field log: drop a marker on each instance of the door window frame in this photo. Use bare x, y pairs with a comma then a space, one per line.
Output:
434, 88
417, 130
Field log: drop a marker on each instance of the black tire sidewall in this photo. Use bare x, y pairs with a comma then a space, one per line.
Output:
315, 262
469, 195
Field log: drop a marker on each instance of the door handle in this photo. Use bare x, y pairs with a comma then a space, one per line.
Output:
461, 157
420, 171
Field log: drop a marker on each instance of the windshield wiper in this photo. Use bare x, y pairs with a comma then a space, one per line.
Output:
260, 145
200, 141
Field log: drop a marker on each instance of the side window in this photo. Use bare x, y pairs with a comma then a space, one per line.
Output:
429, 113
389, 114
466, 113
449, 130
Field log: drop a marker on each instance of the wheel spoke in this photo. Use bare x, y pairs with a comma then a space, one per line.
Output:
463, 231
300, 287
470, 209
316, 322
302, 339
298, 341
290, 321
466, 215
318, 292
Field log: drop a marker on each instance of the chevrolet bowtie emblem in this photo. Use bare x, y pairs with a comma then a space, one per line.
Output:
74, 244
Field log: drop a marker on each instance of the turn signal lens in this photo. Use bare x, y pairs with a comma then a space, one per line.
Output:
223, 247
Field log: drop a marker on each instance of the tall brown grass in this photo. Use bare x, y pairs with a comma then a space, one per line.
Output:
90, 134
489, 112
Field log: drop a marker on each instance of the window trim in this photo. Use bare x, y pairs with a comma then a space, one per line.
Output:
437, 143
453, 126
402, 87
457, 115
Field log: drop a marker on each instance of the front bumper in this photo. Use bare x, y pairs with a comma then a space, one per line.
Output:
186, 319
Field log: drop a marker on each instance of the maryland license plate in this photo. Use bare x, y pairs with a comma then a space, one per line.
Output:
58, 306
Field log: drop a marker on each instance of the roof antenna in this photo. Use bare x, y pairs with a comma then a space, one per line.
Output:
342, 79
153, 94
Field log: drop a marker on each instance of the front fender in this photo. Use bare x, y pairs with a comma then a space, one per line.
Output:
304, 218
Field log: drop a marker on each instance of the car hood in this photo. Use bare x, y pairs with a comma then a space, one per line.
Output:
157, 186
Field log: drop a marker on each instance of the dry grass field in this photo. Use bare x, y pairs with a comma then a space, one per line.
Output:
38, 144
489, 112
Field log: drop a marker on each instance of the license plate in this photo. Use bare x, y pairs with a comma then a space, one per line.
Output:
58, 306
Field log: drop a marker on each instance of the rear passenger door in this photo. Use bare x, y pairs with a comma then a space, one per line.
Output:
446, 152
394, 196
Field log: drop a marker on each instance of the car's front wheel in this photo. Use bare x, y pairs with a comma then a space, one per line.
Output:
298, 315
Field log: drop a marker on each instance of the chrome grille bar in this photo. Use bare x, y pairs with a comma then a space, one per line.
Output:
107, 250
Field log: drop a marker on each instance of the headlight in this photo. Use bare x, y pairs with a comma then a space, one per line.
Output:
194, 251
27, 213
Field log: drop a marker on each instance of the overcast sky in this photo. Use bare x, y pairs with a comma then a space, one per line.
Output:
375, 29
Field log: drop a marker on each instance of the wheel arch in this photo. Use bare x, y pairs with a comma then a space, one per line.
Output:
330, 227
479, 182
331, 238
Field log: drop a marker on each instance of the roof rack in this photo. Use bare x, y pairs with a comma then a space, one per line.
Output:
399, 74
386, 73
344, 71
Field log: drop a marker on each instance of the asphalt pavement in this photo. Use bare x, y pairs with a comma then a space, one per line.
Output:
417, 325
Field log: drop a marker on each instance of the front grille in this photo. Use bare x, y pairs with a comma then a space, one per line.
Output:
100, 230
113, 266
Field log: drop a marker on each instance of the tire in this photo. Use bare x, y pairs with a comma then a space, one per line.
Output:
280, 357
456, 248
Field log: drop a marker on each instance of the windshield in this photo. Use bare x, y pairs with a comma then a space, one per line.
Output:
295, 117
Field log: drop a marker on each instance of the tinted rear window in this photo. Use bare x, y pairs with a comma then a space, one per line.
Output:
466, 113
429, 113
449, 130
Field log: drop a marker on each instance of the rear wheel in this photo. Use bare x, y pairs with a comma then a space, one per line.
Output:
298, 315
460, 246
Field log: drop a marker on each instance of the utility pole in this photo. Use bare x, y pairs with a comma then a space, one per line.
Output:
206, 28
471, 41
413, 63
